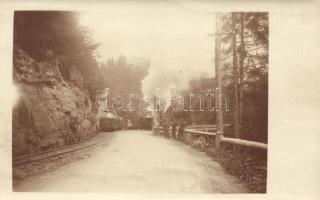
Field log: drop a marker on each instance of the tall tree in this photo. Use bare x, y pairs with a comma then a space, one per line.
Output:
242, 56
251, 43
235, 78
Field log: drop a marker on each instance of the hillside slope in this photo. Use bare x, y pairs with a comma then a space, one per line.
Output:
51, 112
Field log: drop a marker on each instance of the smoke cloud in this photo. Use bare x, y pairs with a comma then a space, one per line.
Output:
172, 35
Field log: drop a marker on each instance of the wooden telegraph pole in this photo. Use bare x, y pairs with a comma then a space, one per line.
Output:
219, 82
235, 79
242, 56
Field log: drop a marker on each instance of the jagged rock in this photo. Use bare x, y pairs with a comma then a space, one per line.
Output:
76, 77
50, 112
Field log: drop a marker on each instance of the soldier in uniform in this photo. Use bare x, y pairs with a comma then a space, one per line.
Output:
181, 129
166, 129
174, 128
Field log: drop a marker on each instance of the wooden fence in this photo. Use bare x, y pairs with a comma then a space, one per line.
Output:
204, 136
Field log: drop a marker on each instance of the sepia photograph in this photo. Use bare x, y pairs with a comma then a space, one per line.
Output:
164, 97
110, 102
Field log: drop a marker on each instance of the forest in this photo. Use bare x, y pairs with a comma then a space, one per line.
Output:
245, 48
58, 33
59, 75
245, 65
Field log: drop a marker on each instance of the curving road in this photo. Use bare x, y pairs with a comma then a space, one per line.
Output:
138, 161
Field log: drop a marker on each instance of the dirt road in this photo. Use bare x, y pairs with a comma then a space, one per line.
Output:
138, 161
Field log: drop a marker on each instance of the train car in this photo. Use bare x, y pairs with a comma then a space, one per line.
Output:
109, 122
145, 122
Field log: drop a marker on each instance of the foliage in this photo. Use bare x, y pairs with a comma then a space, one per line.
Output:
44, 33
255, 77
124, 78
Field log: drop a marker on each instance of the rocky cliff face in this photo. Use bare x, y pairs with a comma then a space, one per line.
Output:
51, 111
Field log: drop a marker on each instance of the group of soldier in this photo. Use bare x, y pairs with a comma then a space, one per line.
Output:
176, 129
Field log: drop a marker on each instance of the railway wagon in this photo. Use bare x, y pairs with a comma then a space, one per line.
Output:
110, 124
109, 121
145, 123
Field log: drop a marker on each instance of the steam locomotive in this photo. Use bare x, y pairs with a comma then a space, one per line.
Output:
110, 121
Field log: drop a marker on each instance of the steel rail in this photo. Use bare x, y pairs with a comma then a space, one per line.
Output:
16, 161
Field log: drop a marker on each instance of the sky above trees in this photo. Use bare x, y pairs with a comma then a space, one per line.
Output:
173, 36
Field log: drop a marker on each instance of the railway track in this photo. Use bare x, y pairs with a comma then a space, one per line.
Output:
92, 142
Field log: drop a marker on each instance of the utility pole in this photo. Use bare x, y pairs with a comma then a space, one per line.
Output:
235, 79
219, 82
242, 55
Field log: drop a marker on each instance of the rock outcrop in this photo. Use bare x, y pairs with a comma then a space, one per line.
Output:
51, 112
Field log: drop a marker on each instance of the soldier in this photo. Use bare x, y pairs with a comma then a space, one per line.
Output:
181, 129
166, 129
174, 128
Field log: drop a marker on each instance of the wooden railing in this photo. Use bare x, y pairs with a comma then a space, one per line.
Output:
200, 132
202, 135
247, 143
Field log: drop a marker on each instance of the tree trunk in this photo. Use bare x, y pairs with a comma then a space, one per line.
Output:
219, 82
242, 55
235, 79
